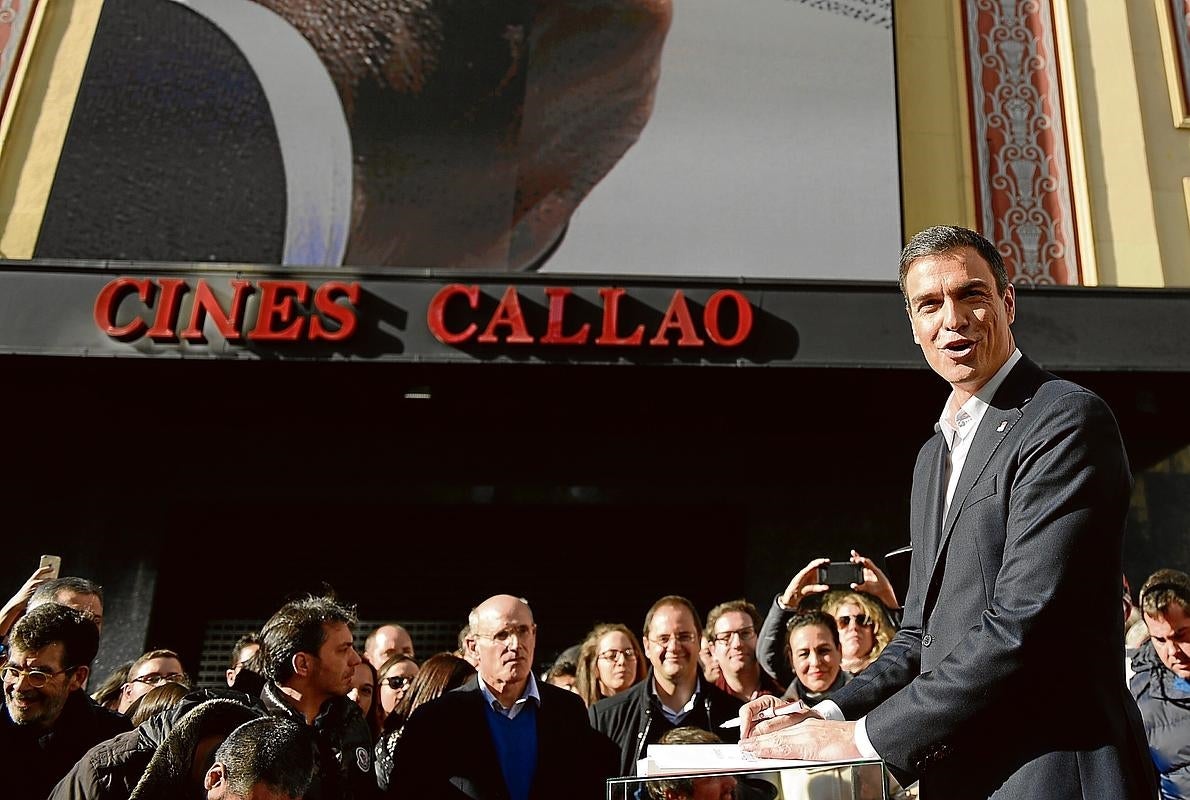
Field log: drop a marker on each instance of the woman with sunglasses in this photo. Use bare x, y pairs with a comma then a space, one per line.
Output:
393, 679
864, 628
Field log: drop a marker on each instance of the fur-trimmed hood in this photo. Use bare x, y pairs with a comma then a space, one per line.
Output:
167, 776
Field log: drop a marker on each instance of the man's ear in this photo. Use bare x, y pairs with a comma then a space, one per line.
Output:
78, 678
1010, 302
214, 777
301, 664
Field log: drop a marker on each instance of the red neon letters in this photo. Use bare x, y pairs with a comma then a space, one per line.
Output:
507, 323
281, 314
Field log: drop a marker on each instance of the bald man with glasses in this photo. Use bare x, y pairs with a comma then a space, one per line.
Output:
502, 735
48, 721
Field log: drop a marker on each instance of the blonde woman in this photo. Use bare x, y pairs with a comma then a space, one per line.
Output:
864, 627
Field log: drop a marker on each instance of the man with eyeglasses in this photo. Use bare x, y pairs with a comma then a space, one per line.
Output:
502, 734
673, 694
310, 661
49, 722
732, 628
149, 671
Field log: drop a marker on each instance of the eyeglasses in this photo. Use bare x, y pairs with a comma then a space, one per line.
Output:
684, 637
745, 634
156, 678
614, 655
862, 620
396, 682
37, 678
521, 632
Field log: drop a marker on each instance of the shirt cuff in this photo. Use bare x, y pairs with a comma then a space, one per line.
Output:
829, 709
862, 742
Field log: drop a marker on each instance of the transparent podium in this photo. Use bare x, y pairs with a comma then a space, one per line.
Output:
717, 772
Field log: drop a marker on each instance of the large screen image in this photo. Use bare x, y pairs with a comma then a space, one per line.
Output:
646, 137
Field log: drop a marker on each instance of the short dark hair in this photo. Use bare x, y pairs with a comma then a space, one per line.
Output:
1164, 588
672, 600
251, 637
816, 617
55, 623
299, 626
945, 238
48, 591
272, 751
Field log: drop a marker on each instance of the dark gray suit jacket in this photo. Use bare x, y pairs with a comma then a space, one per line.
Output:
1006, 678
446, 750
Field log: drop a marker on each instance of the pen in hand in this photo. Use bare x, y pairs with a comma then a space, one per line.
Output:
771, 712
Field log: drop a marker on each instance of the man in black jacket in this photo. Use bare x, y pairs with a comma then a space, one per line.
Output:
48, 721
502, 735
310, 661
674, 693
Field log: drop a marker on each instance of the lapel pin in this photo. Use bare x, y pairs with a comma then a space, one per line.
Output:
1003, 425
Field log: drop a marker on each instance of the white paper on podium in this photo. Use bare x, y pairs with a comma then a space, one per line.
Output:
678, 759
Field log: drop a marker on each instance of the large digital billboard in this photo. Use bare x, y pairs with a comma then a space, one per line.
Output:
647, 137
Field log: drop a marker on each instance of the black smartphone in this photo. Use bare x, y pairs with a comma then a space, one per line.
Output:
840, 573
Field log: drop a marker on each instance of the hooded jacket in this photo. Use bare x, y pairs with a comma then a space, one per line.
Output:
112, 769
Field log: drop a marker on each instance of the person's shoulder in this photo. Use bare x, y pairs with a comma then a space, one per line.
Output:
102, 719
617, 703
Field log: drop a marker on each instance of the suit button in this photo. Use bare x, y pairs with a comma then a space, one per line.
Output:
927, 640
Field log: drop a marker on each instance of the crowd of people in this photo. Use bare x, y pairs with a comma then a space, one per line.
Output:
303, 714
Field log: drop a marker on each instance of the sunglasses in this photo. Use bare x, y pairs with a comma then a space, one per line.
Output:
862, 620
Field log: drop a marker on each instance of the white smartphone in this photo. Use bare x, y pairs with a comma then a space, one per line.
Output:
55, 564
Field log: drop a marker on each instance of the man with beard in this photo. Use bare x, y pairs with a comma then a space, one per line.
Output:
502, 734
310, 662
48, 721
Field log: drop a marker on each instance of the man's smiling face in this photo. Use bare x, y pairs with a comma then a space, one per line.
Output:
959, 318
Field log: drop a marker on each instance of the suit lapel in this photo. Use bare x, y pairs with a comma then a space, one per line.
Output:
932, 501
998, 421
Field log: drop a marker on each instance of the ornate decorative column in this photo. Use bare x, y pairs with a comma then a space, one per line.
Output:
1024, 197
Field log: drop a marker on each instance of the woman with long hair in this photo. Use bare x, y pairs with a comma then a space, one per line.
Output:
610, 661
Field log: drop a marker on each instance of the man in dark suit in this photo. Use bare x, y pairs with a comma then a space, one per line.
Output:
1005, 680
502, 735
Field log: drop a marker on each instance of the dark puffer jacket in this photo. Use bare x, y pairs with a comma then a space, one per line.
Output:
1164, 701
111, 769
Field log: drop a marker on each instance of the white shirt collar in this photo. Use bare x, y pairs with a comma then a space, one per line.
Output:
530, 693
971, 412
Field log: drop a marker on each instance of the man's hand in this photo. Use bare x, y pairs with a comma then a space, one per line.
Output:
15, 606
811, 739
756, 716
